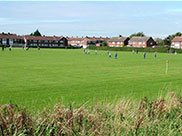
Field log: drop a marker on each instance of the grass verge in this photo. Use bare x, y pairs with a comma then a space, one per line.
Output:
162, 116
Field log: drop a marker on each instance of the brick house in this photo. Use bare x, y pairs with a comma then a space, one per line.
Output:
76, 41
177, 42
11, 39
86, 41
118, 41
45, 41
144, 42
97, 41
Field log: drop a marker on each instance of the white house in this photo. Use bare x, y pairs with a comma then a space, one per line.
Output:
177, 42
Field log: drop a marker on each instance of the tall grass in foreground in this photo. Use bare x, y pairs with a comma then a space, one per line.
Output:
160, 117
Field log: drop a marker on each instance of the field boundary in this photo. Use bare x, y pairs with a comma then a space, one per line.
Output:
129, 49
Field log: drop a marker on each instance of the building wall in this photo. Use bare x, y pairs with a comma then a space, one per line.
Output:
51, 43
63, 42
138, 44
151, 42
115, 44
76, 42
11, 41
177, 45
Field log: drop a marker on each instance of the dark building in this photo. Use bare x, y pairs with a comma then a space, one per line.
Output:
45, 41
8, 39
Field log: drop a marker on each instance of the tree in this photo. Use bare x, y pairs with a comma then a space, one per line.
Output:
137, 34
104, 43
36, 33
161, 43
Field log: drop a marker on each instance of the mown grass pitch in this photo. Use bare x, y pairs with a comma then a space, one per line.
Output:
39, 78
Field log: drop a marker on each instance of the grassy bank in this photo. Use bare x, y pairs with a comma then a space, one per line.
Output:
162, 116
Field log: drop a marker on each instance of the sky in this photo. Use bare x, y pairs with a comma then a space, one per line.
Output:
96, 18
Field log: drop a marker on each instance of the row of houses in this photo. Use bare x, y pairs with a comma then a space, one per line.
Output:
142, 42
112, 42
50, 41
55, 41
30, 41
86, 41
133, 42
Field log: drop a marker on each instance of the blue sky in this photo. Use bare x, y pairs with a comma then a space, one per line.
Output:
157, 19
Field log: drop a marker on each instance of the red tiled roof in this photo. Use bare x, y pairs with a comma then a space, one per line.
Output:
87, 39
177, 39
75, 39
97, 39
139, 39
50, 38
10, 36
118, 39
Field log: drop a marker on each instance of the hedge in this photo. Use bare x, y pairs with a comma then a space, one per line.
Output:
52, 47
148, 49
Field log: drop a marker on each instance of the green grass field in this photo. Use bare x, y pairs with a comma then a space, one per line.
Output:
43, 78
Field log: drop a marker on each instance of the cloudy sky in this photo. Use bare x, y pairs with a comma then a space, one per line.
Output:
157, 19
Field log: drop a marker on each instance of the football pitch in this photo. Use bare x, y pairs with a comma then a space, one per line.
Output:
36, 79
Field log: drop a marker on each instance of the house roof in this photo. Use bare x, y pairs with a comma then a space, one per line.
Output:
139, 39
10, 36
177, 39
97, 39
50, 38
75, 39
118, 39
87, 39
158, 40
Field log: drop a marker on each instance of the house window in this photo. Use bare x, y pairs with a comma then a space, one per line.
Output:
176, 44
4, 41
